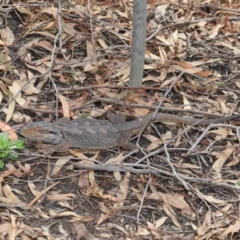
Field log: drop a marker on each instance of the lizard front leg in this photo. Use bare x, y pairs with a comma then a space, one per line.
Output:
124, 143
48, 149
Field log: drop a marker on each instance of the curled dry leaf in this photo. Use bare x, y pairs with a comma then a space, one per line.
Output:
212, 199
118, 160
57, 196
11, 197
156, 142
79, 101
7, 36
142, 231
153, 230
234, 161
83, 181
11, 107
40, 194
204, 74
16, 89
122, 191
221, 133
77, 217
3, 87
29, 89
221, 159
65, 105
82, 232
18, 172
215, 31
58, 165
53, 11
171, 214
233, 228
174, 200
18, 117
5, 65
100, 112
22, 51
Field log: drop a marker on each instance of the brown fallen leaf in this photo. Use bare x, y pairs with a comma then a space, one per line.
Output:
174, 200
9, 130
58, 165
11, 107
41, 194
83, 181
82, 231
65, 105
222, 157
57, 196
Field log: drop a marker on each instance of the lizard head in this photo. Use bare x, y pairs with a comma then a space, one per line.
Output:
42, 132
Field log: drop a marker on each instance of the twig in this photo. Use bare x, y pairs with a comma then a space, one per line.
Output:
181, 24
166, 93
143, 197
173, 169
152, 170
206, 131
221, 8
121, 103
160, 150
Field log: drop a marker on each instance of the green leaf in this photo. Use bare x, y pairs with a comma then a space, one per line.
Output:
4, 153
237, 183
18, 144
1, 164
4, 136
7, 146
13, 155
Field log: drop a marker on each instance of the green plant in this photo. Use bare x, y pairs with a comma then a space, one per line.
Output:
7, 147
237, 184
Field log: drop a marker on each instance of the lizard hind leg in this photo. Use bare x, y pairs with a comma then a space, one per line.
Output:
124, 143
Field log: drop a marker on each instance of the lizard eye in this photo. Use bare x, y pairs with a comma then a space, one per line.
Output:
47, 131
51, 132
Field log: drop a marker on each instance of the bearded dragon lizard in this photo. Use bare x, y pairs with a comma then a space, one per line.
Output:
89, 134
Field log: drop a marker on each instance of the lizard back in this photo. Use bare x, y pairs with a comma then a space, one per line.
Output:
101, 134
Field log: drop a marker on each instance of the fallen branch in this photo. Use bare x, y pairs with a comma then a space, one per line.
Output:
154, 171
